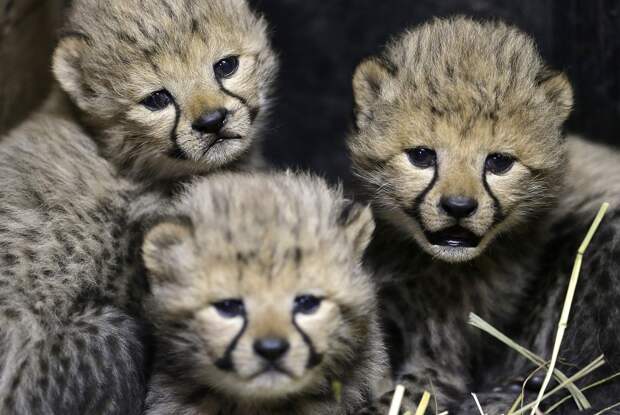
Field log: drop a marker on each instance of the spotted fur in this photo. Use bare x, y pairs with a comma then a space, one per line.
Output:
469, 91
71, 340
264, 240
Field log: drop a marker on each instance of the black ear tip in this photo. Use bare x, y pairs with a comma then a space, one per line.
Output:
347, 207
73, 34
351, 211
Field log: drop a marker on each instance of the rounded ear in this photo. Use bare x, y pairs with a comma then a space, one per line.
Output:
368, 84
358, 224
67, 67
558, 90
167, 250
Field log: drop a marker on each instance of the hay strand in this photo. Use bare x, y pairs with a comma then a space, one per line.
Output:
478, 403
572, 286
337, 390
598, 362
609, 408
521, 396
590, 386
476, 321
397, 400
426, 398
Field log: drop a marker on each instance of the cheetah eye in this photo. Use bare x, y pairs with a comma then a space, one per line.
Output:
497, 163
226, 67
157, 101
422, 157
306, 304
230, 308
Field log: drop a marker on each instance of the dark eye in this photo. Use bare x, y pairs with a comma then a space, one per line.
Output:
422, 157
230, 308
157, 100
306, 304
226, 67
499, 163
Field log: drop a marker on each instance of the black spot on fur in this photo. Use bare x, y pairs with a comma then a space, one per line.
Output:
254, 111
197, 396
44, 365
55, 351
9, 402
11, 314
43, 383
126, 38
10, 260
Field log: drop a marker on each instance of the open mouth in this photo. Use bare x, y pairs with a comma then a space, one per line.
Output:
455, 237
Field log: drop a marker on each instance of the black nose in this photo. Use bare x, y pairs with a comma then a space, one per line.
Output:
271, 348
459, 206
211, 122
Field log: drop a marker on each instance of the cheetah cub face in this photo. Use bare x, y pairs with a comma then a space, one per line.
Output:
458, 134
257, 292
171, 87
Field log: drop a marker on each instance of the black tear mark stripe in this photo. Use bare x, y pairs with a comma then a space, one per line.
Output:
498, 216
253, 110
226, 362
415, 209
315, 358
176, 152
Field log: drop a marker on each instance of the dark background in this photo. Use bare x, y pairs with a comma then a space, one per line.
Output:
321, 41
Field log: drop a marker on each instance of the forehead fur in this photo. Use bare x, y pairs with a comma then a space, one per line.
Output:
132, 33
461, 64
458, 82
263, 236
161, 22
255, 211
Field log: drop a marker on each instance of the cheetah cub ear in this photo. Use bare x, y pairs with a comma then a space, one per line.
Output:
558, 90
358, 224
168, 250
371, 84
67, 67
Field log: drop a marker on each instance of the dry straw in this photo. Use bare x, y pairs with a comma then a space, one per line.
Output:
564, 382
478, 403
578, 396
426, 398
572, 286
397, 400
337, 390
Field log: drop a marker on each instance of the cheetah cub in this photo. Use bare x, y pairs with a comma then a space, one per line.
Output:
459, 149
259, 300
168, 88
152, 91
